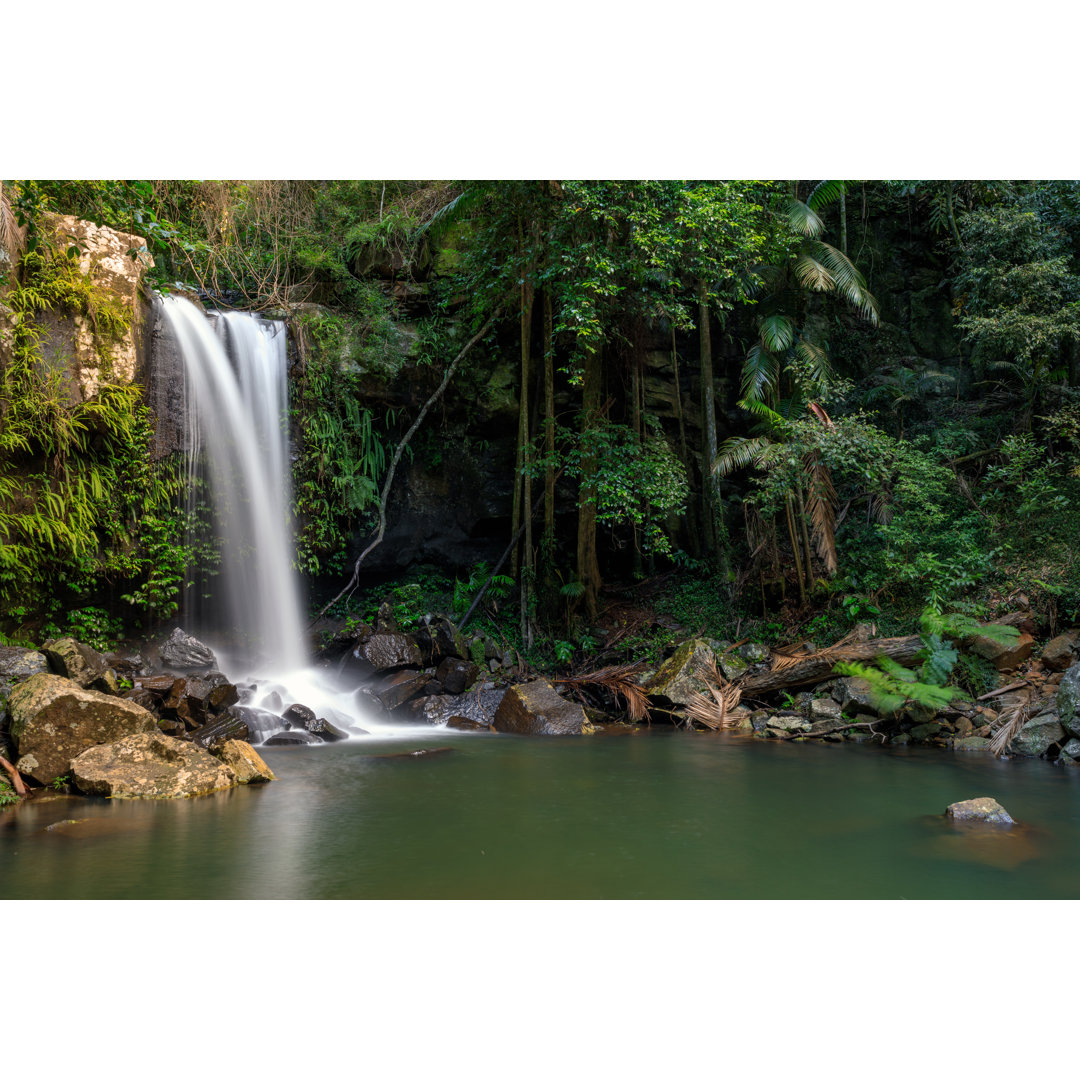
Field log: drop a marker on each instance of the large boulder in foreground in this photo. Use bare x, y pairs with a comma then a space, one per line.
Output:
536, 709
981, 809
53, 720
150, 766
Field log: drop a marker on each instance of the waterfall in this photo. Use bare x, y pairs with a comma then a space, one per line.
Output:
236, 412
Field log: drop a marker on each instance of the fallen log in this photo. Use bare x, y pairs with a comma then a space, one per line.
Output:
816, 667
16, 779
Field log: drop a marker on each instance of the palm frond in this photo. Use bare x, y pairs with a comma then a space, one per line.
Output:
802, 219
761, 370
715, 710
821, 505
816, 360
826, 193
1009, 725
812, 274
777, 333
619, 681
762, 411
738, 452
847, 280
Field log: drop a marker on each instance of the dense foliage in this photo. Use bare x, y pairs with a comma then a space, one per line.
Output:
804, 402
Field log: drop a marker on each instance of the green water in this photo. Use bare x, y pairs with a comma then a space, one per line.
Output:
661, 815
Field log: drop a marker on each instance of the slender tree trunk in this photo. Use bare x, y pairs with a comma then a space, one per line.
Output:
549, 435
952, 217
588, 568
793, 535
709, 501
843, 222
520, 458
635, 422
526, 452
807, 565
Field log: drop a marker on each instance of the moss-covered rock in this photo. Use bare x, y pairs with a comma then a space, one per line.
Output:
678, 678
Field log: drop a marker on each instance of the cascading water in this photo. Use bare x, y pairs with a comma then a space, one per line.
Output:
236, 398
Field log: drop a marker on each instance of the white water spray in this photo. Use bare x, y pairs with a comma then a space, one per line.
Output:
236, 406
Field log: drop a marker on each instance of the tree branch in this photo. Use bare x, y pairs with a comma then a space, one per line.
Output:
385, 497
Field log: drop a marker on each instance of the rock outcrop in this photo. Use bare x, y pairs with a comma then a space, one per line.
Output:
150, 766
182, 652
53, 721
981, 809
245, 763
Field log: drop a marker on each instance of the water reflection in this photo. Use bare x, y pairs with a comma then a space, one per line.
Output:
656, 815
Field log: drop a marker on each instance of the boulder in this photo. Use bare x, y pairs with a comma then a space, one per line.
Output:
1068, 700
1038, 735
440, 639
294, 737
856, 696
981, 809
400, 687
150, 766
678, 680
789, 723
227, 727
323, 729
971, 742
1071, 749
17, 665
183, 652
463, 723
438, 709
824, 709
298, 715
245, 763
53, 720
732, 665
754, 652
1004, 655
1059, 652
535, 708
73, 660
387, 651
457, 675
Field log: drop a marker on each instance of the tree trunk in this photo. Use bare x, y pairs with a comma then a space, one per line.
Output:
588, 568
819, 666
526, 455
843, 222
708, 424
549, 434
521, 455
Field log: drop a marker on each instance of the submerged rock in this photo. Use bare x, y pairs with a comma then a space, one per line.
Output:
536, 708
971, 742
186, 653
981, 809
53, 720
150, 766
294, 737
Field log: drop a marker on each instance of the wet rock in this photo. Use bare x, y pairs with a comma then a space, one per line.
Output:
828, 726
273, 702
220, 729
400, 687
678, 680
54, 720
73, 660
535, 708
457, 675
222, 696
323, 729
971, 742
900, 740
150, 766
440, 639
856, 696
183, 652
824, 709
16, 665
367, 703
1068, 700
981, 809
1004, 655
298, 715
294, 737
789, 723
1038, 735
161, 686
387, 651
141, 697
426, 752
1071, 749
385, 621
437, 709
1059, 653
247, 766
259, 722
177, 729
463, 723
759, 719
924, 732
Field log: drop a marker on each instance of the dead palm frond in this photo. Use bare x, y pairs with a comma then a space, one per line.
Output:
714, 710
1009, 724
12, 236
619, 680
